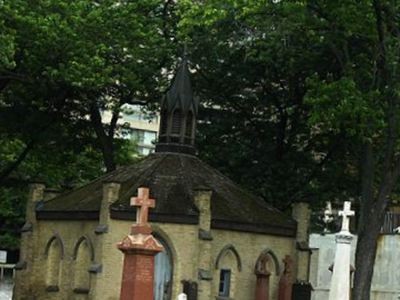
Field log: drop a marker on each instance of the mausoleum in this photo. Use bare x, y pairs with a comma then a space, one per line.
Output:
219, 239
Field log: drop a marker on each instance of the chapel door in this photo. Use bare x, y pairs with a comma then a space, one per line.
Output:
163, 274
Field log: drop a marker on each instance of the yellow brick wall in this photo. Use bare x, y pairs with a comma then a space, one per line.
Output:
183, 241
69, 232
249, 246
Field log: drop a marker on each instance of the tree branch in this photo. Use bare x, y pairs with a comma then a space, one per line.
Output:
113, 124
13, 165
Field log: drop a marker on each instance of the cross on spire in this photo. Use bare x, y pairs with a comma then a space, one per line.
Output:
143, 203
346, 213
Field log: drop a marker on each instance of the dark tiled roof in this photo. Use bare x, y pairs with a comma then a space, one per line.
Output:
172, 179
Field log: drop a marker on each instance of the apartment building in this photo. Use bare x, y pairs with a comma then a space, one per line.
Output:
138, 126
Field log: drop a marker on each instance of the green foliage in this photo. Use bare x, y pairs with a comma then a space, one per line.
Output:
340, 107
58, 60
255, 62
12, 209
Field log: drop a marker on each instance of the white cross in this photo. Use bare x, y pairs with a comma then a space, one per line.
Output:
346, 213
328, 213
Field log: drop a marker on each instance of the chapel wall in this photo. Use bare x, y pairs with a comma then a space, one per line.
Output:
68, 232
249, 246
183, 241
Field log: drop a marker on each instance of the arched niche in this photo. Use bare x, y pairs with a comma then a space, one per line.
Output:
83, 256
54, 254
225, 251
267, 261
164, 267
228, 264
89, 244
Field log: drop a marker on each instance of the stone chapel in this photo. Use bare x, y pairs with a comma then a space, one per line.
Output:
219, 239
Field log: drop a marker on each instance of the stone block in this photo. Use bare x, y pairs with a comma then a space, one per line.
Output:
205, 275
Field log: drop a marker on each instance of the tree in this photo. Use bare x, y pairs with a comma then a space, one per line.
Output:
62, 64
66, 62
364, 103
254, 67
312, 94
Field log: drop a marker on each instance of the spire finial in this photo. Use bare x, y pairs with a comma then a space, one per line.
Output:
178, 114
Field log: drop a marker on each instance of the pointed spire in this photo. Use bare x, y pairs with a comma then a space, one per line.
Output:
178, 114
180, 93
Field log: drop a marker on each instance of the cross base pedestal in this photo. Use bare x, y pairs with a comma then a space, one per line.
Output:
141, 229
138, 270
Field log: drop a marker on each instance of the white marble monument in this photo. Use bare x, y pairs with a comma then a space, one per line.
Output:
340, 284
182, 296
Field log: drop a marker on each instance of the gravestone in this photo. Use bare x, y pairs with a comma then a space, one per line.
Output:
340, 284
190, 289
286, 281
301, 291
139, 248
182, 296
262, 274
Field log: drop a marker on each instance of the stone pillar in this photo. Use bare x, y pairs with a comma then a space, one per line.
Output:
202, 200
286, 281
28, 241
104, 244
139, 249
301, 213
340, 284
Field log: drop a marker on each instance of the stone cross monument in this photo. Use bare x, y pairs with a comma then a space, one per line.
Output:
340, 284
286, 281
139, 248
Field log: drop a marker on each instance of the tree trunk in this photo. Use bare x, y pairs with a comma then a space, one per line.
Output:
365, 259
372, 213
108, 152
106, 141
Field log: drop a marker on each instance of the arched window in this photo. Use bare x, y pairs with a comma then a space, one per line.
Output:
227, 265
176, 122
189, 128
83, 256
54, 253
266, 264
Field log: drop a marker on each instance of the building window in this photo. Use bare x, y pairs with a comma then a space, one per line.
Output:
224, 283
137, 135
149, 137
